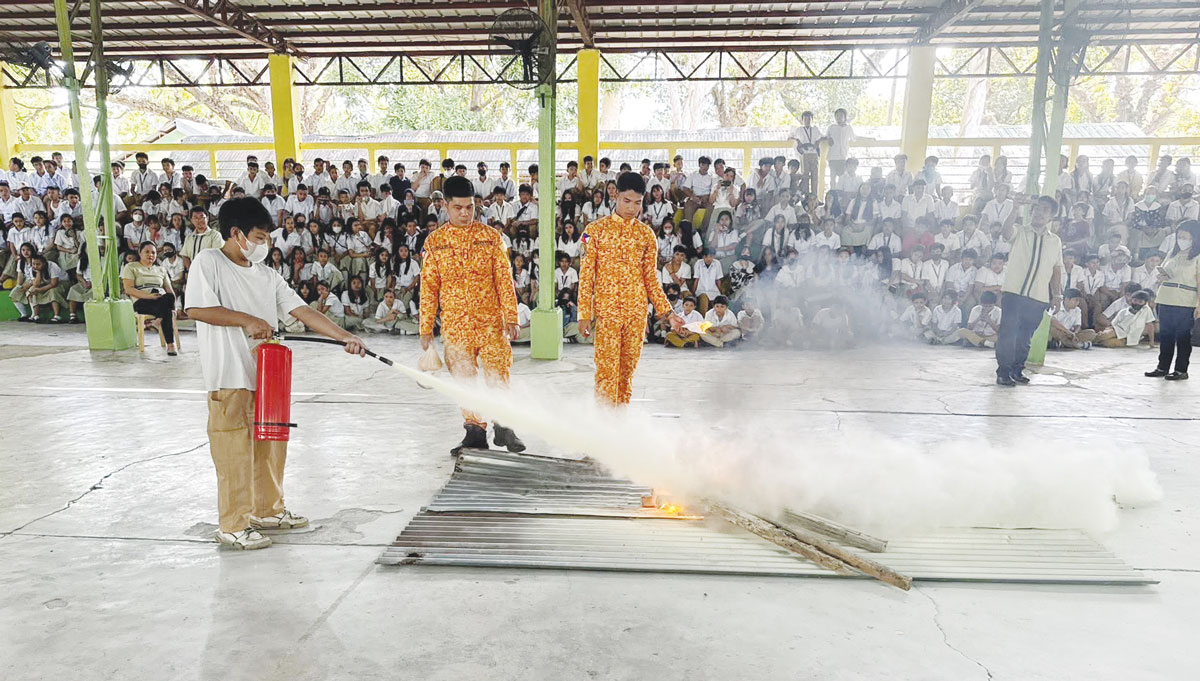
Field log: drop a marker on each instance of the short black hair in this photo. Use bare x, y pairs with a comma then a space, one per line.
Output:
631, 182
458, 187
245, 214
721, 300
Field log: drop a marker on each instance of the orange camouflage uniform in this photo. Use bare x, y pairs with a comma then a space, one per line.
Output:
465, 272
618, 275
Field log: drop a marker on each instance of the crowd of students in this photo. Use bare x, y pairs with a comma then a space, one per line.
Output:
741, 256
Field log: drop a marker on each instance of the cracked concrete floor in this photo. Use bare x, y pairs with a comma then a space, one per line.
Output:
108, 497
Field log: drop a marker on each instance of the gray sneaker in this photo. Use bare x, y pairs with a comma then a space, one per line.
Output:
246, 540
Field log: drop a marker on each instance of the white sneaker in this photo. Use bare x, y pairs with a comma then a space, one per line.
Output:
284, 521
246, 540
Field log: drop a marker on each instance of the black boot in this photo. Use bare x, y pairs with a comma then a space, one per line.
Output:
476, 438
508, 439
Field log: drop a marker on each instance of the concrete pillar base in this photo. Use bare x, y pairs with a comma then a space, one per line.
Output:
546, 334
111, 324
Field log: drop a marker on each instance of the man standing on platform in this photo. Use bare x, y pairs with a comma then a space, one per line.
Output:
617, 277
1032, 283
465, 274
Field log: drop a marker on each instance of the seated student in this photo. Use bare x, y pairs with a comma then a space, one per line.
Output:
565, 277
1105, 319
944, 321
948, 239
830, 327
39, 283
1089, 284
914, 322
1117, 273
1146, 276
709, 278
323, 270
990, 278
391, 316
355, 302
659, 328
910, 271
524, 319
724, 327
328, 304
750, 320
1130, 324
933, 271
684, 337
983, 325
1107, 250
960, 278
677, 271
1066, 325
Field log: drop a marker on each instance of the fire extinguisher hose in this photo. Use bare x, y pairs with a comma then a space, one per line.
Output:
330, 341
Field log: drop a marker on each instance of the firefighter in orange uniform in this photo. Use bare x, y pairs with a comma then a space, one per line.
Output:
619, 274
466, 274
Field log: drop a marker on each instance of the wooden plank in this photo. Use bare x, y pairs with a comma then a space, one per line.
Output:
833, 530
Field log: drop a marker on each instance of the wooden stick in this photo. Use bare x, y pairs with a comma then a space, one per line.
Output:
810, 546
834, 530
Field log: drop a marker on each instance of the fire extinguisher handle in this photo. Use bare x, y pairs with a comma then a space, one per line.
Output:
330, 341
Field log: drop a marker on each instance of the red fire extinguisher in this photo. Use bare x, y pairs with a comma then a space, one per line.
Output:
273, 394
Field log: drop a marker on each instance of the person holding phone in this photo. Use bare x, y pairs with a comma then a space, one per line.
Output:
149, 285
237, 302
1177, 303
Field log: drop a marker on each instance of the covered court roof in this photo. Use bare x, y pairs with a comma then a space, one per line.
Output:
234, 29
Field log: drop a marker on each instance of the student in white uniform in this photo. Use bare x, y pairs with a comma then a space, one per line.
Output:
725, 328
983, 324
237, 302
329, 305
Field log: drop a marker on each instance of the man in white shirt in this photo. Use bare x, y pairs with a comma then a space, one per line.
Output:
423, 182
677, 271
839, 135
808, 144
169, 175
983, 324
933, 270
916, 205
382, 177
482, 183
506, 183
947, 208
120, 183
28, 203
273, 203
708, 275
960, 278
1183, 208
886, 238
299, 203
237, 301
763, 181
725, 328
827, 237
899, 177
1163, 176
784, 207
252, 181
319, 177
889, 207
698, 188
999, 209
1131, 177
500, 211
570, 182
142, 180
1066, 325
8, 204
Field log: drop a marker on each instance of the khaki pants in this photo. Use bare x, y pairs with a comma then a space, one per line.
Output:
720, 339
976, 339
249, 472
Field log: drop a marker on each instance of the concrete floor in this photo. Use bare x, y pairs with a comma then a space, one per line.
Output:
108, 496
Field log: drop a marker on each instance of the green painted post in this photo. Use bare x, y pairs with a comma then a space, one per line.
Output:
546, 325
1039, 343
110, 322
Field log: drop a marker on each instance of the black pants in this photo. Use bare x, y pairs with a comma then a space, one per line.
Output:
162, 308
1175, 334
1019, 320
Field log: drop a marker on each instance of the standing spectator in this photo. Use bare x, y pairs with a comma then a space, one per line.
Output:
1177, 303
839, 135
1033, 283
808, 138
698, 189
1131, 177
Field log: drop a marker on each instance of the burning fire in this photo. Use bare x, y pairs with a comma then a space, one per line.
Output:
663, 502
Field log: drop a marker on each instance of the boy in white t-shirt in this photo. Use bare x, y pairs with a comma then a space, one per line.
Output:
565, 277
983, 324
750, 320
914, 322
830, 327
708, 275
944, 321
684, 337
724, 327
1066, 325
237, 302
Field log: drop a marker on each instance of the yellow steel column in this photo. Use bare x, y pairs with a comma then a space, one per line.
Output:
8, 122
918, 99
285, 109
587, 64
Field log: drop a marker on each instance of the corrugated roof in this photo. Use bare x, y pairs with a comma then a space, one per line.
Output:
163, 28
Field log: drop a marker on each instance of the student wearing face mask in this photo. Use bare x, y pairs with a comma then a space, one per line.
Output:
237, 302
1148, 223
1177, 303
1130, 325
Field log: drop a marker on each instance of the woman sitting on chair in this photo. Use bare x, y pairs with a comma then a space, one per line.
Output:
149, 285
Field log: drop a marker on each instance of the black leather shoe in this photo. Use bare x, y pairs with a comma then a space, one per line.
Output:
1004, 380
1157, 373
506, 438
1021, 379
1176, 376
476, 438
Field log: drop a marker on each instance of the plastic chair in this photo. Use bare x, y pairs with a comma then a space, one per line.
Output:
142, 321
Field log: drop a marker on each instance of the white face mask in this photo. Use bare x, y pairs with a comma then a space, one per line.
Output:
1184, 243
137, 218
337, 229
254, 252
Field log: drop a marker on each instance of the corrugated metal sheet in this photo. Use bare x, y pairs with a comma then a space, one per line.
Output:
505, 510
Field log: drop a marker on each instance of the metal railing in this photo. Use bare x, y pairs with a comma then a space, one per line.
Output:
955, 166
